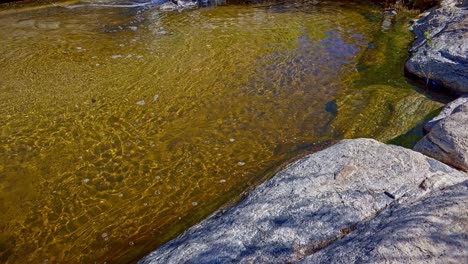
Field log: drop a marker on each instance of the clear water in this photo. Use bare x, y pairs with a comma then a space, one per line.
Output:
121, 127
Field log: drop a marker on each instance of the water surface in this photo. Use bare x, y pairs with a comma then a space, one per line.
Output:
121, 127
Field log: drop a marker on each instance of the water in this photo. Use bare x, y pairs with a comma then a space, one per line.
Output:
120, 127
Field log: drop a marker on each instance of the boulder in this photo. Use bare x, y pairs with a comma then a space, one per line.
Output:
439, 54
448, 139
432, 230
446, 111
178, 5
311, 204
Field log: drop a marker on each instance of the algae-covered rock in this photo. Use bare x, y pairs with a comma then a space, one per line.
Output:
311, 204
365, 112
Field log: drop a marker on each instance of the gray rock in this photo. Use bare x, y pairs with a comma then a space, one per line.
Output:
186, 4
168, 6
432, 230
448, 110
448, 139
460, 3
439, 54
310, 204
178, 5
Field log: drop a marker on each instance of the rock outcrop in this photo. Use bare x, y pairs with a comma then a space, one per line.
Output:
439, 54
432, 230
446, 111
315, 202
447, 140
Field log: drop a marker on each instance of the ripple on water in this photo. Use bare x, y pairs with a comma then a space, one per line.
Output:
114, 140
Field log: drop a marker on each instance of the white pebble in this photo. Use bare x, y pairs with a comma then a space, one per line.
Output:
86, 180
142, 102
104, 235
240, 163
232, 140
194, 203
155, 98
133, 28
222, 181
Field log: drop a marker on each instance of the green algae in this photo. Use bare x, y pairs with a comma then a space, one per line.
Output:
381, 103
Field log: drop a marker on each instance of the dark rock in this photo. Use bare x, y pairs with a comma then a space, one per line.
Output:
439, 55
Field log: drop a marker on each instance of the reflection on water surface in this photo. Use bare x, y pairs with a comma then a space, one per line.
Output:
119, 128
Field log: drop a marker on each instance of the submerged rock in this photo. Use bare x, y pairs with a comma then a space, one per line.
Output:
308, 206
447, 141
432, 230
439, 55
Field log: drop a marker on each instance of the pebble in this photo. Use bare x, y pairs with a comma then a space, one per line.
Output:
133, 28
142, 102
116, 56
240, 163
104, 235
86, 180
194, 203
155, 98
222, 181
232, 140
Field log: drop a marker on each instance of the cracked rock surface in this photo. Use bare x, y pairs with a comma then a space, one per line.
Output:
431, 230
307, 207
439, 54
447, 140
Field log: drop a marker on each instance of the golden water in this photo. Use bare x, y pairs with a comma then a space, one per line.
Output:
121, 127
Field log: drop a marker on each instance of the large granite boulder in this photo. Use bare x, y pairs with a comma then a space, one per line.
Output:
432, 230
446, 111
447, 141
311, 204
439, 54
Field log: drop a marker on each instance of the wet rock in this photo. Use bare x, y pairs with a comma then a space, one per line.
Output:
448, 139
448, 110
439, 54
432, 230
309, 205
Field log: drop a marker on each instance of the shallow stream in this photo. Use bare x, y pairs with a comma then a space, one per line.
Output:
122, 126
